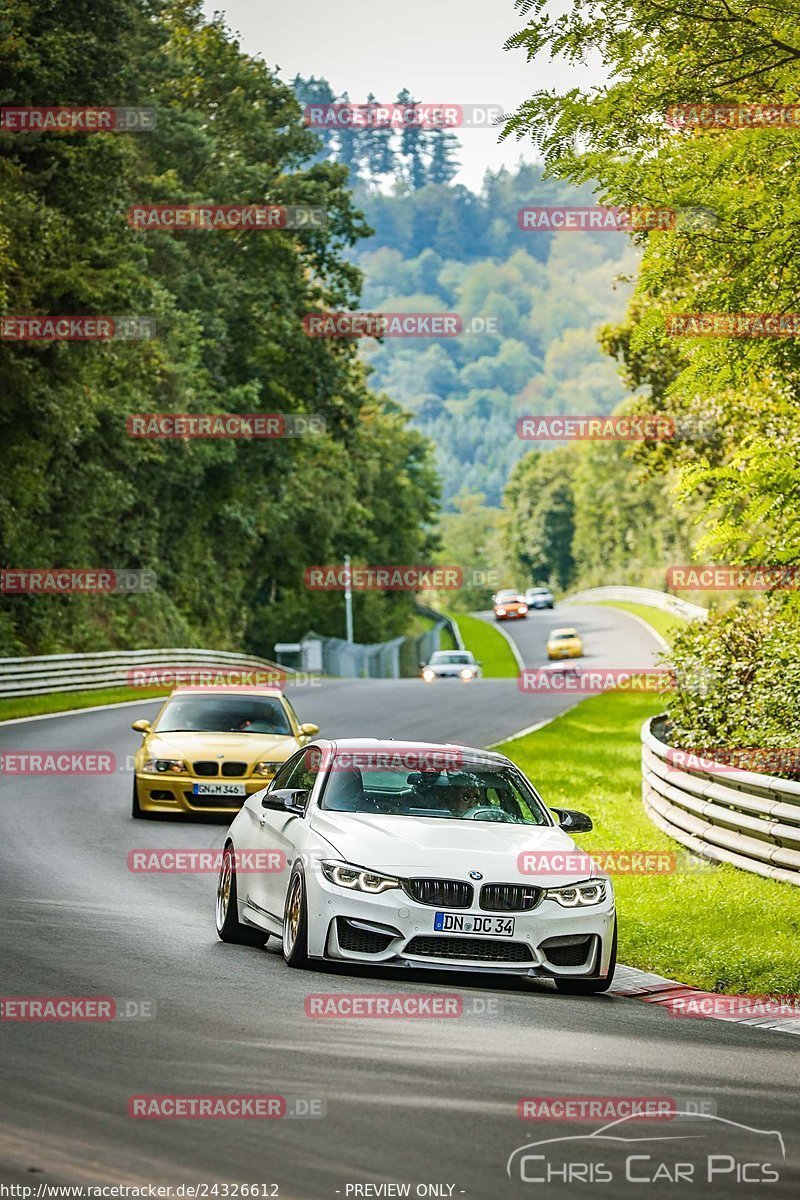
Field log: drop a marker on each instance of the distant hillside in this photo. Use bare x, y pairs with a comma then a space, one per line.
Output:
441, 247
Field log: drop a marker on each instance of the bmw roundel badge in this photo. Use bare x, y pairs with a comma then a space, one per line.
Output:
475, 875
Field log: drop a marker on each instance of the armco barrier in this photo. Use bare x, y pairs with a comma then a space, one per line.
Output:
397, 658
749, 820
637, 595
84, 672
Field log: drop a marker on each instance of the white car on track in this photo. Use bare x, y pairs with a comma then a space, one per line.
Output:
416, 855
450, 664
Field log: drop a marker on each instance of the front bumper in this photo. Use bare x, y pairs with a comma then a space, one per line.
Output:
511, 616
558, 654
393, 930
165, 793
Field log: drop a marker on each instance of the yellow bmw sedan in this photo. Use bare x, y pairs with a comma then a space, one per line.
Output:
564, 643
210, 748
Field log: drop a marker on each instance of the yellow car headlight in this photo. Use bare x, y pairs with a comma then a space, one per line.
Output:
165, 766
267, 767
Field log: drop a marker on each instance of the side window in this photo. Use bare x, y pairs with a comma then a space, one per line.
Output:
284, 773
305, 773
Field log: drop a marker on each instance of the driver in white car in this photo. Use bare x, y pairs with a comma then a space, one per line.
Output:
461, 799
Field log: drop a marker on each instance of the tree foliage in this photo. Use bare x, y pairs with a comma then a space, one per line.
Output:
227, 526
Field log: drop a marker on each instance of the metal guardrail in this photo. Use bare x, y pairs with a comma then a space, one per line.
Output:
636, 595
749, 820
84, 672
376, 660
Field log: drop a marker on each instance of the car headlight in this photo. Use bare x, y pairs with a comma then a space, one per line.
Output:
467, 673
171, 766
578, 895
356, 879
267, 767
501, 612
428, 675
523, 608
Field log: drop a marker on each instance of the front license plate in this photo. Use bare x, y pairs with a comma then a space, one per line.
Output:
486, 926
219, 789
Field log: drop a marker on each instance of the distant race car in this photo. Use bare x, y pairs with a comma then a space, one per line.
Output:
417, 855
539, 597
509, 605
564, 643
209, 749
451, 664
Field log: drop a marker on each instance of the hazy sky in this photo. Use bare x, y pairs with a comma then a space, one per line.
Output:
441, 50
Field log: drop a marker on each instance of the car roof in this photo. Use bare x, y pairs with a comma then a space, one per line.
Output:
233, 689
387, 745
564, 629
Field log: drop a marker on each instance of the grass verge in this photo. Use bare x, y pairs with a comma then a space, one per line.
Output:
716, 928
662, 622
489, 647
32, 706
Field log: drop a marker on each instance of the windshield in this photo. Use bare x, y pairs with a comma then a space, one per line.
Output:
565, 637
450, 656
507, 595
479, 792
224, 714
538, 591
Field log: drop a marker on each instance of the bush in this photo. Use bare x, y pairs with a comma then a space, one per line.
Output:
738, 679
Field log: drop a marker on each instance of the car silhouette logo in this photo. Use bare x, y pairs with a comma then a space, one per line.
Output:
475, 875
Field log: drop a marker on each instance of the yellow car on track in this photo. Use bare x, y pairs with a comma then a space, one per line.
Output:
210, 748
564, 643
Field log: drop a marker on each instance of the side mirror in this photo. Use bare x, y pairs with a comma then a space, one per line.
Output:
309, 729
572, 821
422, 666
141, 726
292, 800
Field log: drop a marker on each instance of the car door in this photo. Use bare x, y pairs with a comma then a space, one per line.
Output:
283, 832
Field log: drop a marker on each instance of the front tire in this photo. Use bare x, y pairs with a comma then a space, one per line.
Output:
137, 812
590, 987
295, 922
229, 927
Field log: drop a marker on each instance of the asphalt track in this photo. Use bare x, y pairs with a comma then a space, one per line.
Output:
408, 1101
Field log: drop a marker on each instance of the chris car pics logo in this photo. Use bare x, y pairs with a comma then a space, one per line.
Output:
700, 1149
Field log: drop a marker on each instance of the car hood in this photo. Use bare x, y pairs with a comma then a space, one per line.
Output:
446, 849
241, 747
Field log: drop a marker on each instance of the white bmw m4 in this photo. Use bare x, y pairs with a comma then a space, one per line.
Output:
415, 854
